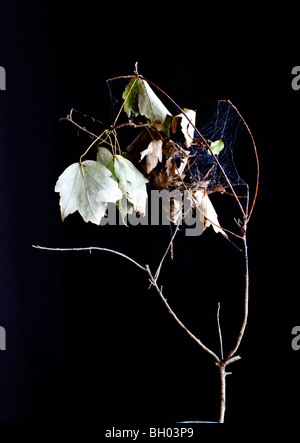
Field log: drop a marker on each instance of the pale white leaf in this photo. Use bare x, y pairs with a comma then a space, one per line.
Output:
105, 157
86, 187
132, 183
125, 207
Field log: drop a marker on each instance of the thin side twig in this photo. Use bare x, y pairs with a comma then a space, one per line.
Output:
82, 128
165, 254
93, 248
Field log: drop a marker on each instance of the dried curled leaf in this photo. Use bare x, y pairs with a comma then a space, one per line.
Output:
153, 154
186, 127
176, 205
208, 214
86, 187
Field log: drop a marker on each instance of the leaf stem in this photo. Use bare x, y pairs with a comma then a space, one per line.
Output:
107, 132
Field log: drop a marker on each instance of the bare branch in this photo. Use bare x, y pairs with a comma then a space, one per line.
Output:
246, 301
152, 280
233, 359
134, 125
120, 76
223, 393
69, 119
91, 134
93, 248
219, 329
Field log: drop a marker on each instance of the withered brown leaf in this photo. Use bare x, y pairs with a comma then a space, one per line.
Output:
153, 154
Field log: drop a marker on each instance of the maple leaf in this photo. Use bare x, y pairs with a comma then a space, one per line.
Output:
86, 187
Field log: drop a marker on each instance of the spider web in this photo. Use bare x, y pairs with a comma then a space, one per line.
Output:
224, 125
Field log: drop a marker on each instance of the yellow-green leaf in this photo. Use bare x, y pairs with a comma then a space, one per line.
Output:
131, 97
216, 147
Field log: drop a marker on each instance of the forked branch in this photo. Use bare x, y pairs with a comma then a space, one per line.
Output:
220, 362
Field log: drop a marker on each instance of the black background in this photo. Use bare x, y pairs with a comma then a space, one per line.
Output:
86, 340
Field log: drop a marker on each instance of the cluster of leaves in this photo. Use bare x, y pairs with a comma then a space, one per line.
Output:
158, 156
88, 186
